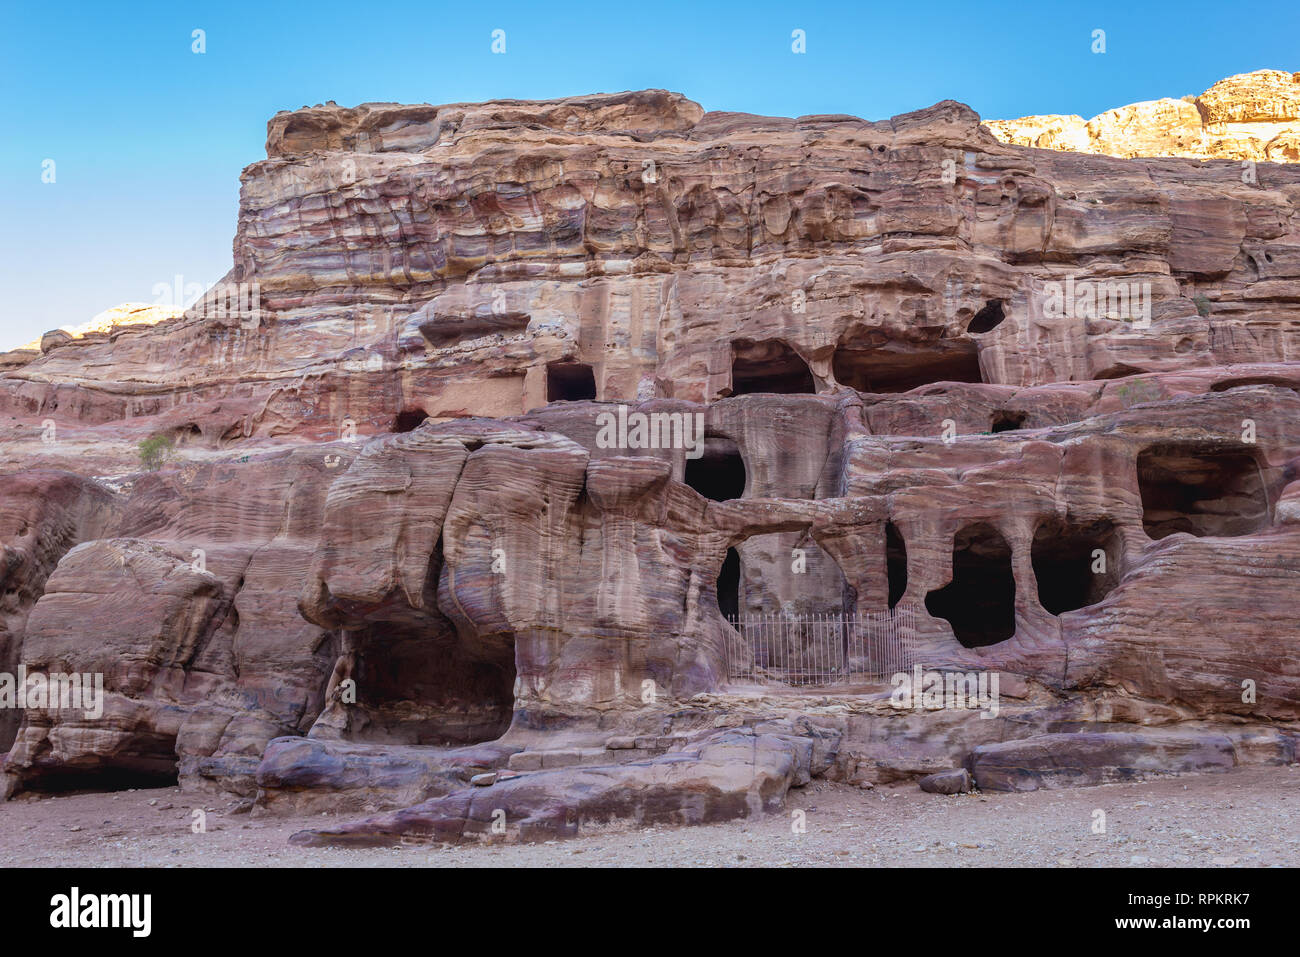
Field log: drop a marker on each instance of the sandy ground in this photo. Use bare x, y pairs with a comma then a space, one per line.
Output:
1248, 817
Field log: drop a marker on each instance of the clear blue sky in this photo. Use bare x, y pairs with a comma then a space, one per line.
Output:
149, 138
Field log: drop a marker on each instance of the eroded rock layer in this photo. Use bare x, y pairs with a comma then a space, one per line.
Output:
516, 404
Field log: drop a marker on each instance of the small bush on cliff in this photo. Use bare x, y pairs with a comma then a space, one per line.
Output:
154, 451
1202, 306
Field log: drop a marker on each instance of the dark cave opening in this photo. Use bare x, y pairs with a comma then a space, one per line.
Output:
1201, 490
769, 366
988, 318
62, 780
408, 420
570, 382
980, 601
1005, 420
1076, 565
414, 686
729, 586
903, 366
895, 563
718, 474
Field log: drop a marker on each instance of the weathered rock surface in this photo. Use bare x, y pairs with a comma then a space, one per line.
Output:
730, 774
1071, 760
954, 781
1250, 116
1045, 406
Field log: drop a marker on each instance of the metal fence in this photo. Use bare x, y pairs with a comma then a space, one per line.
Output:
821, 650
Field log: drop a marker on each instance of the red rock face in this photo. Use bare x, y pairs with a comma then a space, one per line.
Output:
522, 397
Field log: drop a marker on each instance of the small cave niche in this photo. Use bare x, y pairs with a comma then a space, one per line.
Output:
728, 587
719, 473
138, 777
903, 366
185, 434
769, 366
988, 318
1224, 385
570, 382
424, 686
408, 420
1201, 490
1118, 371
980, 601
1004, 420
1076, 564
895, 563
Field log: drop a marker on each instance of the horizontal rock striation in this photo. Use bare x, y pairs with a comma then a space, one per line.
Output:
522, 407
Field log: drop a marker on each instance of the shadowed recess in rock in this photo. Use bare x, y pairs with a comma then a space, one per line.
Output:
408, 420
729, 585
719, 473
1076, 564
570, 382
422, 687
62, 780
1201, 490
988, 318
980, 601
769, 366
880, 365
1005, 420
895, 563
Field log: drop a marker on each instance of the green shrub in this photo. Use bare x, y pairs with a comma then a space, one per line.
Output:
154, 451
1202, 306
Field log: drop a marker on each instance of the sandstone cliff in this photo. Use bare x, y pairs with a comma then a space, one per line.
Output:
1251, 116
1044, 405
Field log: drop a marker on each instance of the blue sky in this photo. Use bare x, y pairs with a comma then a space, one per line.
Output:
149, 137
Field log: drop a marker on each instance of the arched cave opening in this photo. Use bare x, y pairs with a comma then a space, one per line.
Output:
729, 586
719, 473
1004, 420
895, 563
1201, 490
427, 687
570, 382
903, 366
769, 366
408, 420
1223, 385
980, 601
988, 318
1076, 565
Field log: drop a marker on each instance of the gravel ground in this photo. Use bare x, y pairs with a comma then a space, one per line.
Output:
1248, 817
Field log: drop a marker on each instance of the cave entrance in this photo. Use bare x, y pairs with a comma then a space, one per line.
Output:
980, 601
423, 688
570, 382
895, 563
408, 420
895, 366
1005, 420
988, 318
1076, 565
1201, 490
769, 366
728, 588
100, 780
718, 474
